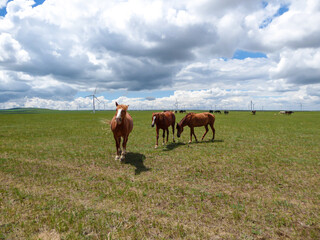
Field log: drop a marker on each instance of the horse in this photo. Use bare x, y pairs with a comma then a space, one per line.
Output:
163, 120
121, 126
253, 112
226, 112
197, 120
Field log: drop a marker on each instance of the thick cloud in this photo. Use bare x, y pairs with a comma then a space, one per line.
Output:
299, 66
56, 49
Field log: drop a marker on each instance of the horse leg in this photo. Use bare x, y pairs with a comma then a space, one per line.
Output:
119, 141
206, 127
194, 135
124, 146
163, 136
157, 130
213, 131
190, 134
118, 147
173, 132
167, 134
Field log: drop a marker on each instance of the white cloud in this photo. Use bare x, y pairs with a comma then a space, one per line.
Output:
11, 50
50, 52
299, 66
3, 3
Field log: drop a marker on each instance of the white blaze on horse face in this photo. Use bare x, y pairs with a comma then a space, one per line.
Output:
118, 117
153, 121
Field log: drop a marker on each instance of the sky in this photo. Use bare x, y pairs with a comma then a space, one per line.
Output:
205, 54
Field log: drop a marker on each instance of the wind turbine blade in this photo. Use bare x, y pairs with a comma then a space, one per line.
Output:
95, 91
97, 99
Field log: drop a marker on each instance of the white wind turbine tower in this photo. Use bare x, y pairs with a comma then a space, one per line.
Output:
93, 99
176, 104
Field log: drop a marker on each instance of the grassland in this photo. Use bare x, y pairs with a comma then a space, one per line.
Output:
260, 179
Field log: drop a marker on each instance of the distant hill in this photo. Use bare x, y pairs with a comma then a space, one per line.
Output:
26, 111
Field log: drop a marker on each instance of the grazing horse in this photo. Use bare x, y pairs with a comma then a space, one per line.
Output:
226, 112
163, 120
121, 126
196, 120
253, 112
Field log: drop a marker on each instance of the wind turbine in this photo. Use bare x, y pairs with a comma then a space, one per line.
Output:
176, 104
93, 99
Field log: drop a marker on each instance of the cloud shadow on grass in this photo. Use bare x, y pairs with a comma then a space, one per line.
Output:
136, 160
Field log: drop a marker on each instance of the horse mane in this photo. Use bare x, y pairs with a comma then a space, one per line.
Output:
186, 119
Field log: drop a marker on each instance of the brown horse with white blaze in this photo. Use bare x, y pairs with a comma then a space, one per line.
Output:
121, 126
163, 120
197, 120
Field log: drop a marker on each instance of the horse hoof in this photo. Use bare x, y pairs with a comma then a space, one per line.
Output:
156, 146
123, 157
190, 141
117, 158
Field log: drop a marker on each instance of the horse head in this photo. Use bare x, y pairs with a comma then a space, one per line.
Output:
179, 129
155, 117
121, 112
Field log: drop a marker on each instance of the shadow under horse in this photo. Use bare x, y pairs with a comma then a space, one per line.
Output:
172, 146
136, 159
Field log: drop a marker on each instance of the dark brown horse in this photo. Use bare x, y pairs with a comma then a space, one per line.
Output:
121, 126
163, 120
196, 120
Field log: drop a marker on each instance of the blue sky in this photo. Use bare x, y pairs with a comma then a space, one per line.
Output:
241, 54
156, 53
281, 10
3, 11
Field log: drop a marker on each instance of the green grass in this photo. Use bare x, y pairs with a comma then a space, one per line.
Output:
260, 179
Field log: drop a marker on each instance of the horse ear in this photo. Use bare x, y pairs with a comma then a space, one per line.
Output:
116, 104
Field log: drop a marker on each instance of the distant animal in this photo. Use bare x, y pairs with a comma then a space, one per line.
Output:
163, 120
226, 112
182, 111
254, 112
193, 120
217, 111
282, 112
288, 112
121, 126
210, 111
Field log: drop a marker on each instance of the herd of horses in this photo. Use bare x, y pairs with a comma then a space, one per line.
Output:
122, 125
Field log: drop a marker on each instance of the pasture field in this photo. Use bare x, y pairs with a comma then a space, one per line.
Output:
260, 179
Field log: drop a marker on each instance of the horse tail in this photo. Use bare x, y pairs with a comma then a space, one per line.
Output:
173, 119
212, 118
